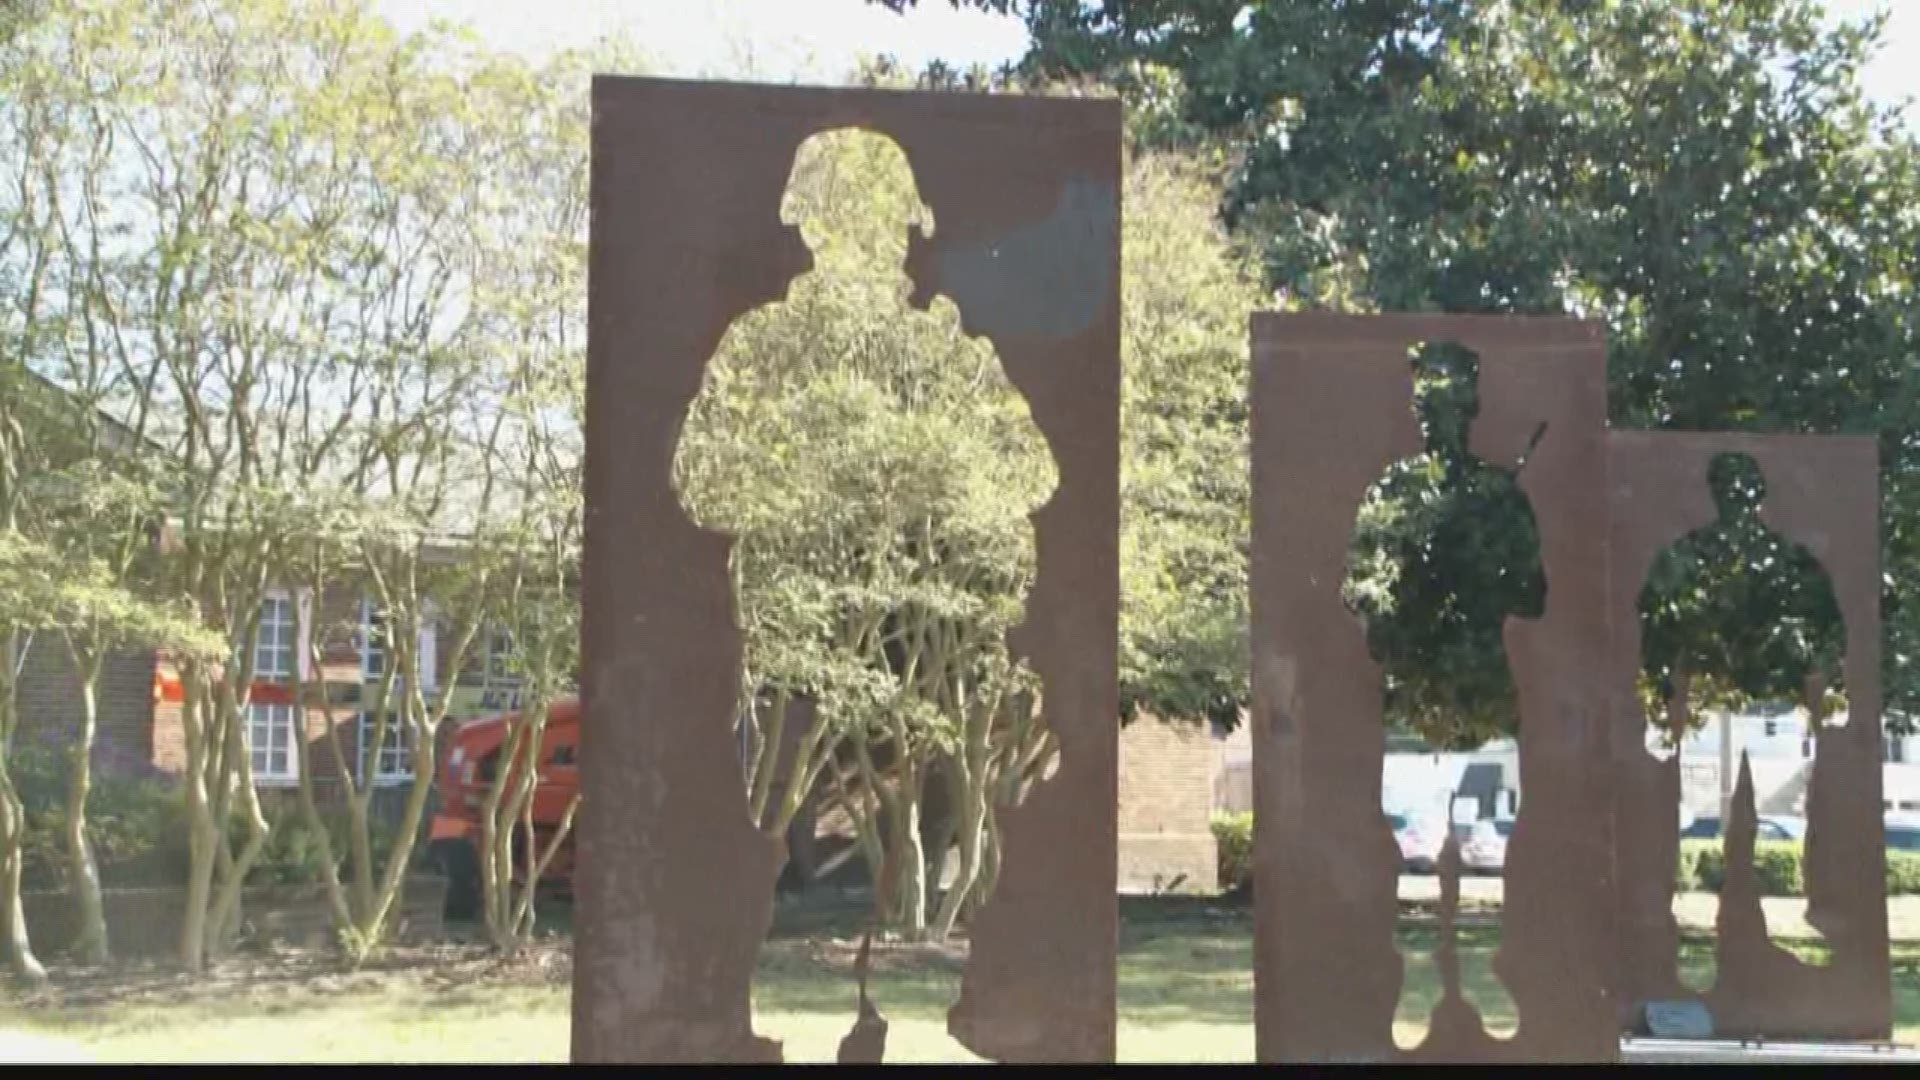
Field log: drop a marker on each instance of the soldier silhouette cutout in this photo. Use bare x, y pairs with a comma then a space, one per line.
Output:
1452, 539
801, 397
1736, 603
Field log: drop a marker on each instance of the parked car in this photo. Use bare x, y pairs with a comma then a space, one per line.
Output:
1483, 845
1903, 831
1775, 827
472, 760
1420, 836
1701, 828
1795, 828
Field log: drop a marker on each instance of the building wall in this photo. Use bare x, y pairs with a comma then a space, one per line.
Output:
1233, 769
1167, 773
334, 618
50, 710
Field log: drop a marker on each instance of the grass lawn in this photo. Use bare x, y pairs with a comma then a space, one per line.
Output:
1186, 994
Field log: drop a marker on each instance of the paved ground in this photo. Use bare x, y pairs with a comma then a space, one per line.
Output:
1426, 888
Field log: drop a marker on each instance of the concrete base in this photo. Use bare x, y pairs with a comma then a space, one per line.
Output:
1732, 1052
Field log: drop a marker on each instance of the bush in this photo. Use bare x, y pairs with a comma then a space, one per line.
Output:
292, 853
1703, 867
1686, 875
137, 826
1903, 873
1781, 867
1233, 839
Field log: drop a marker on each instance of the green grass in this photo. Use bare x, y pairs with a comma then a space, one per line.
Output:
1186, 994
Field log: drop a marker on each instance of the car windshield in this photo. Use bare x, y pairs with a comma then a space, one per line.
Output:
1504, 828
1398, 821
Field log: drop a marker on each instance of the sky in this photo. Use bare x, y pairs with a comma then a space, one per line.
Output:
775, 40
1895, 73
819, 40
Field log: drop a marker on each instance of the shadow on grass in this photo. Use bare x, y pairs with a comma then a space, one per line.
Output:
1182, 961
1185, 992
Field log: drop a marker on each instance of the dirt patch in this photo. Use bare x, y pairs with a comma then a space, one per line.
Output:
286, 974
838, 954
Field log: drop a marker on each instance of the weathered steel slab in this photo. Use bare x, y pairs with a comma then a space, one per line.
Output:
1332, 408
674, 882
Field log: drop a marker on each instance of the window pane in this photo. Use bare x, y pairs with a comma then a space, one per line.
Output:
275, 644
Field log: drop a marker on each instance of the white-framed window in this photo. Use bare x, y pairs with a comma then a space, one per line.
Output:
373, 640
276, 643
503, 664
270, 735
392, 761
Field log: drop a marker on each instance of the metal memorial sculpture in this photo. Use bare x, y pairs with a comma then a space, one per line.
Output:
1822, 491
1588, 936
675, 883
675, 880
1332, 408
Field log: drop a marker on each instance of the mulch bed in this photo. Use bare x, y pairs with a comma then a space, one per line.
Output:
287, 973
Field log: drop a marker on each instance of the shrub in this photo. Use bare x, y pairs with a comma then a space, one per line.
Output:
1233, 839
1903, 873
136, 825
292, 853
1781, 867
1686, 875
1703, 867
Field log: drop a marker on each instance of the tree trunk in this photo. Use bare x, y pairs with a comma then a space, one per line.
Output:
972, 828
943, 820
14, 941
802, 852
515, 776
989, 864
203, 831
394, 876
223, 918
202, 835
337, 901
83, 874
912, 863
360, 849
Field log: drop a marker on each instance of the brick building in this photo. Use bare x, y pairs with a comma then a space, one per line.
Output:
1173, 775
1168, 772
141, 729
49, 697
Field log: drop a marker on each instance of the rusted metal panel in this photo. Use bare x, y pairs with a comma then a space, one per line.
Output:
1332, 409
1822, 491
687, 183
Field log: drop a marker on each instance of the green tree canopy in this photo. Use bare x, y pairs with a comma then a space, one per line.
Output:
1704, 176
